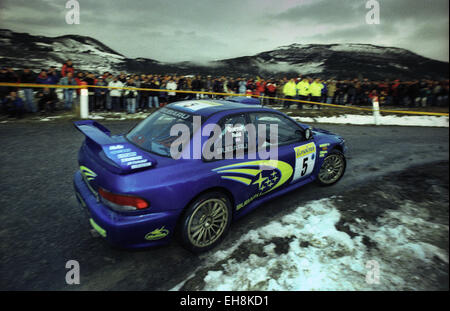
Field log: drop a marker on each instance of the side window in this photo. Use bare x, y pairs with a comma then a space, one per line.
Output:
233, 135
288, 131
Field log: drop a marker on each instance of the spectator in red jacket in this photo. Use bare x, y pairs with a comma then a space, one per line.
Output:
67, 67
260, 87
271, 89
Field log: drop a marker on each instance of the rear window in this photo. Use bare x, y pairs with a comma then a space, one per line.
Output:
153, 134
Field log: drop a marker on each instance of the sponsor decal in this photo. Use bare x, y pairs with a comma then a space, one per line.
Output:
126, 155
324, 148
263, 175
131, 159
157, 234
115, 147
120, 151
137, 162
305, 159
176, 114
304, 150
141, 165
87, 173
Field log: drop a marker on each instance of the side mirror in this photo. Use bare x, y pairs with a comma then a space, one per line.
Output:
308, 134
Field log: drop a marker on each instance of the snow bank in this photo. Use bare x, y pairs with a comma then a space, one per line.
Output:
317, 256
431, 121
330, 261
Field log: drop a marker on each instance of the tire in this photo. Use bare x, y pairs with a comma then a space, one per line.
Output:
332, 169
205, 222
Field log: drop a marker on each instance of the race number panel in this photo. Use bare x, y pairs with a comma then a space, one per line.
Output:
305, 159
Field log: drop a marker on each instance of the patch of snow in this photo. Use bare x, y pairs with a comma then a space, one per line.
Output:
305, 68
431, 121
398, 66
320, 257
311, 67
300, 268
362, 48
294, 46
93, 50
43, 44
96, 117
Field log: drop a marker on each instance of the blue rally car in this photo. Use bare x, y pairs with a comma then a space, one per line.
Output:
136, 194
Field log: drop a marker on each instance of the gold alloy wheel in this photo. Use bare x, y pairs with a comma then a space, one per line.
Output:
332, 169
207, 222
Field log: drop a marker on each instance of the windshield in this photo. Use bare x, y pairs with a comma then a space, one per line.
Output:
153, 134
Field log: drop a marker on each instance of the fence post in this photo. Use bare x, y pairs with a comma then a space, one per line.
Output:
376, 110
84, 104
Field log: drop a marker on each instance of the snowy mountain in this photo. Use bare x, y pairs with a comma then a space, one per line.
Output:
341, 61
21, 50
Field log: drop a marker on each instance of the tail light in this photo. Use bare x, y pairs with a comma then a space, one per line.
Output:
120, 202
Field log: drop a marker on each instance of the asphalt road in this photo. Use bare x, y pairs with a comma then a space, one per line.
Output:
42, 226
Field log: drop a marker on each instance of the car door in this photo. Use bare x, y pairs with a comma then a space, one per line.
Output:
293, 149
257, 175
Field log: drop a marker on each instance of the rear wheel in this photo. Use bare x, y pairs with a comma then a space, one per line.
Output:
205, 222
332, 169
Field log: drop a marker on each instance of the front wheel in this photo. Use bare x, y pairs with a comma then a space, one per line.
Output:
332, 169
205, 222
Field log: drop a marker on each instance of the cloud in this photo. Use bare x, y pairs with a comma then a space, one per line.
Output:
424, 10
322, 12
403, 23
204, 30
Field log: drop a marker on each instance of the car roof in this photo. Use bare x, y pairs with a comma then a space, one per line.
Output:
208, 107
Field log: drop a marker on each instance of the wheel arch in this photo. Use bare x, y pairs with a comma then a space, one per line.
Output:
338, 148
212, 189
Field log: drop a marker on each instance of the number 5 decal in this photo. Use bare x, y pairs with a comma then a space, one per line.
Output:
305, 166
305, 159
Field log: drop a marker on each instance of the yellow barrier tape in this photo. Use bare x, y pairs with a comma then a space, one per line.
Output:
33, 85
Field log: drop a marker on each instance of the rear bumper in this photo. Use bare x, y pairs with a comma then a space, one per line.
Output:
123, 230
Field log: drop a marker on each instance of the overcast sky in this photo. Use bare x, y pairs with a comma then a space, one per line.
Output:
203, 30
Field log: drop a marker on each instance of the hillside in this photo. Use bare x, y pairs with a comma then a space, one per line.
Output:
341, 61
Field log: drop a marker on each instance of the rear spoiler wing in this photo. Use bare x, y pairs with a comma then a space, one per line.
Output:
125, 157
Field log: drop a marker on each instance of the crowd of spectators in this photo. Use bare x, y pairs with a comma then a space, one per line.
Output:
16, 102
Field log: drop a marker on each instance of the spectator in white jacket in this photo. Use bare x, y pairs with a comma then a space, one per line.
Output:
115, 93
171, 85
